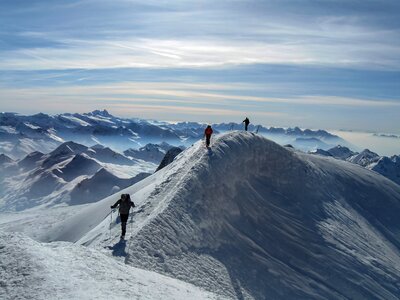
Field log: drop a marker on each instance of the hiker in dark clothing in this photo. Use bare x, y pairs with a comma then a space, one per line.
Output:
208, 132
125, 204
246, 123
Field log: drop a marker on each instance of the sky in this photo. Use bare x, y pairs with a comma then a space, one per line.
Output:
314, 64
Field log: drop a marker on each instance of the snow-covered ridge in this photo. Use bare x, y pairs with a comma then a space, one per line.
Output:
252, 219
32, 270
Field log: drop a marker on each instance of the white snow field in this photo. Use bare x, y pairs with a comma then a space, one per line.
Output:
249, 219
32, 270
246, 219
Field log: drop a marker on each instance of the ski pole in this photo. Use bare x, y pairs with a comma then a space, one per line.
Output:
110, 222
130, 225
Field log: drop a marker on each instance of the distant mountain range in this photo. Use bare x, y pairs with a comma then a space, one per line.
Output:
21, 135
70, 159
386, 166
151, 152
70, 174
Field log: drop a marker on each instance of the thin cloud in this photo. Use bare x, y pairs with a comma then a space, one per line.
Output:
133, 34
206, 53
191, 94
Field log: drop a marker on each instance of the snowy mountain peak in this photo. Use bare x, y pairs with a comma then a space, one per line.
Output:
320, 152
268, 221
69, 148
102, 113
5, 159
388, 167
31, 160
341, 152
34, 154
80, 158
103, 173
97, 146
364, 158
80, 164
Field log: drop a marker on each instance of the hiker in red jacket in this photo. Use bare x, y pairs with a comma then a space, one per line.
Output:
208, 132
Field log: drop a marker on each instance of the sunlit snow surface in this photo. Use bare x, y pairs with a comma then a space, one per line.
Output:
249, 219
32, 270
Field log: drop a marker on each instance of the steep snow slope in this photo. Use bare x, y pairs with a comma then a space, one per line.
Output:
251, 219
31, 270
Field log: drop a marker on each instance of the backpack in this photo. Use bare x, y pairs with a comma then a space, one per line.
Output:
125, 204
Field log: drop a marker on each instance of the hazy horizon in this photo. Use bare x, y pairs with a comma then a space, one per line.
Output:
375, 141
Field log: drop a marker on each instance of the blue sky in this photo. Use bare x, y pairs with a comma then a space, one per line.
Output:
316, 64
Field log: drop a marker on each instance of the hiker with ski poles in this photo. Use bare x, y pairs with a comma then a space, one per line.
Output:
246, 123
125, 204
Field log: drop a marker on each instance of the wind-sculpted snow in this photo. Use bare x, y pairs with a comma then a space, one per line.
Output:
32, 270
251, 219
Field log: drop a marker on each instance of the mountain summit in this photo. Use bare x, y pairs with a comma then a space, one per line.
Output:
252, 219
